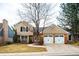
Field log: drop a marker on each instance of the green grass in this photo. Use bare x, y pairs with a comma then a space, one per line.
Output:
19, 48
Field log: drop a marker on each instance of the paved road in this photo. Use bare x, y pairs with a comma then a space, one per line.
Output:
53, 50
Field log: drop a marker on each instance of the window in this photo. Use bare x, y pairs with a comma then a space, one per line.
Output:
22, 37
61, 35
48, 35
26, 29
69, 37
58, 35
23, 29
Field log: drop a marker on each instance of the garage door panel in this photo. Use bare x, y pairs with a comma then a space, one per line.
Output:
59, 40
48, 40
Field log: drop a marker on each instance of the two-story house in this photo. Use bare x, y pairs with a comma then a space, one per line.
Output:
24, 31
51, 34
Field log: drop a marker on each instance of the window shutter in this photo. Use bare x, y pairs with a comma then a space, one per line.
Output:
21, 29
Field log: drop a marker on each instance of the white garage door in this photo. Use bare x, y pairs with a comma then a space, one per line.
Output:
48, 40
59, 40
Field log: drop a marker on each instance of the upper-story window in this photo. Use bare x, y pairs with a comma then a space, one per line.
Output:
24, 29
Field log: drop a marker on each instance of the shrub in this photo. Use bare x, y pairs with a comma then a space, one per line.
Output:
74, 43
40, 40
71, 42
16, 39
30, 39
77, 44
8, 42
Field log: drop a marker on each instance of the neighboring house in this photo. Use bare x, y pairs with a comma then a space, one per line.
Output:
50, 35
6, 33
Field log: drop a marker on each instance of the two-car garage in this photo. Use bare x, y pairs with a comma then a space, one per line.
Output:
56, 39
55, 35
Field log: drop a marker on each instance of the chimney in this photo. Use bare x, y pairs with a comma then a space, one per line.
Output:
5, 30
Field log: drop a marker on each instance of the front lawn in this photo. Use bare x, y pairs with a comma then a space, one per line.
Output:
75, 43
19, 48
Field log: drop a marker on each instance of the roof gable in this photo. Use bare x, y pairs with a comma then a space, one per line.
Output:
21, 22
55, 30
24, 23
59, 30
49, 29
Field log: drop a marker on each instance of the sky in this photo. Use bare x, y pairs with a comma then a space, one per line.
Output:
8, 9
40, 1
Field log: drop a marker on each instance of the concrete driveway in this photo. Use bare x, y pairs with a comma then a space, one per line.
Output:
52, 50
62, 49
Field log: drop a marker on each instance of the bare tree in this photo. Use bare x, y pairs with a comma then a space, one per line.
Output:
35, 12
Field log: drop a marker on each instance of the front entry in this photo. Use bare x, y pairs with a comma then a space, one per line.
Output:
23, 39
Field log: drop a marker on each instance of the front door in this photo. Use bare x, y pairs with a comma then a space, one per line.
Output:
23, 39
